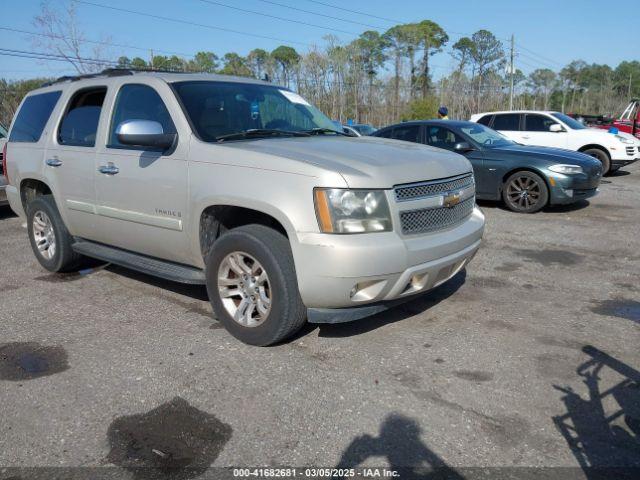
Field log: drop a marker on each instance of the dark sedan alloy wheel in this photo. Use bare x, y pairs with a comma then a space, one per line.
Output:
525, 192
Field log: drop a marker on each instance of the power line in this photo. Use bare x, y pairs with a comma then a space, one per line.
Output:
538, 55
356, 12
96, 42
291, 7
278, 18
54, 56
187, 22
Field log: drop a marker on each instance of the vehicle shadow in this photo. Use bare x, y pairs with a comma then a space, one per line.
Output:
571, 207
6, 212
618, 173
397, 313
196, 292
603, 428
399, 442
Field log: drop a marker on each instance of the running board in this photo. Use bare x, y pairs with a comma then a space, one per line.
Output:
141, 263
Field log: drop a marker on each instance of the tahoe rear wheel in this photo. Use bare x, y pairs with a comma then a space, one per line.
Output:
525, 192
252, 286
602, 156
49, 237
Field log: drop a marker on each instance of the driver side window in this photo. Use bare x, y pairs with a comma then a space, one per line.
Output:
138, 102
441, 137
538, 123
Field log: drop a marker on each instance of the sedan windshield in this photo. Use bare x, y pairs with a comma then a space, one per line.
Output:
568, 121
486, 136
224, 109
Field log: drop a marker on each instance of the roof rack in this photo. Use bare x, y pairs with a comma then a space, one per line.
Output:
110, 72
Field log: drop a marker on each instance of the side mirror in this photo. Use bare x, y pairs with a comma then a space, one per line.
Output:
144, 133
462, 147
556, 128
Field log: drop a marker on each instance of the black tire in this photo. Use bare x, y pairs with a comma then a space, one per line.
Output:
602, 156
63, 259
271, 249
525, 192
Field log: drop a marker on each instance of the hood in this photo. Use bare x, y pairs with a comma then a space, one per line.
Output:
551, 155
364, 162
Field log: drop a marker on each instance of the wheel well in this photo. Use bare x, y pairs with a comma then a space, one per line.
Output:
30, 189
595, 147
524, 169
217, 219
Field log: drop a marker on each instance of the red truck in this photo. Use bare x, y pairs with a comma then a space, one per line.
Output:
629, 121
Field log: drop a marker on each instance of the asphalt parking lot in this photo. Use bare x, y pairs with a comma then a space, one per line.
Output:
530, 358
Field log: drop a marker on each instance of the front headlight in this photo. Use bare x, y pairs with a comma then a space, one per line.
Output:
341, 210
626, 140
566, 169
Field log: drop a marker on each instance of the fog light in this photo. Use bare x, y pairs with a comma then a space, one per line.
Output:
366, 291
569, 193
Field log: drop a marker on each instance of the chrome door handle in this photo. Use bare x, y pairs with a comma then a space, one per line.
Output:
526, 137
109, 169
53, 162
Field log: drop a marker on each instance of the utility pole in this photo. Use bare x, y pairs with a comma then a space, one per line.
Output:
511, 72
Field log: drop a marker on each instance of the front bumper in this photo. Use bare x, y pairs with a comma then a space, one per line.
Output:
349, 271
566, 189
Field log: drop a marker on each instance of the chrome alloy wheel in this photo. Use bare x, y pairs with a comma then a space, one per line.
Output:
523, 192
44, 235
244, 288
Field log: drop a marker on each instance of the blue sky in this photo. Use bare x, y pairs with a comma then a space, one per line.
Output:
548, 33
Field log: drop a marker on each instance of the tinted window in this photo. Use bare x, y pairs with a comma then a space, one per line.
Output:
441, 137
33, 117
571, 122
386, 133
223, 108
79, 125
486, 120
538, 123
139, 102
507, 121
410, 133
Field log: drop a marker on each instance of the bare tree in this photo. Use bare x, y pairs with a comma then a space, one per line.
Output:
61, 36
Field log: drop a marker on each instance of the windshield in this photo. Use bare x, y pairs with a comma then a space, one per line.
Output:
486, 136
569, 122
218, 109
3, 131
364, 129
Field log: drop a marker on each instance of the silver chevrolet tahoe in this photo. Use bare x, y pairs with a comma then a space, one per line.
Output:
239, 185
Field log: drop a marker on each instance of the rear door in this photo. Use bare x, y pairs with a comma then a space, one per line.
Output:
536, 131
70, 158
509, 125
141, 199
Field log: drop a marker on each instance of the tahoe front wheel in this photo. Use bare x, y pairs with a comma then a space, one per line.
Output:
252, 285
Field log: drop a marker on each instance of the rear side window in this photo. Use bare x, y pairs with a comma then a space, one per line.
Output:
138, 102
507, 121
410, 133
538, 123
79, 125
33, 117
486, 120
386, 133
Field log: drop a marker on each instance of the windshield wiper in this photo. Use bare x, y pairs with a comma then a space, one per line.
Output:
321, 130
260, 132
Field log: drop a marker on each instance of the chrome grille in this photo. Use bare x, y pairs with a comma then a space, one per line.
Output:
425, 189
432, 219
630, 150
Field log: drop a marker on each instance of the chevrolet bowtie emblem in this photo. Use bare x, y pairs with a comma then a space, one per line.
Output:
451, 199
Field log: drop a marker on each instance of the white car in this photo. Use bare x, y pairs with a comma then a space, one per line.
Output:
555, 129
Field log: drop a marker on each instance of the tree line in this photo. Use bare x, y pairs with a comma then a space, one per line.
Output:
378, 78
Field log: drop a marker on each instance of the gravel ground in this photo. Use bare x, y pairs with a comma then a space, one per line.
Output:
530, 358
